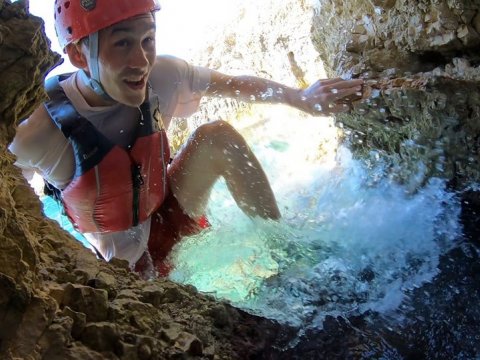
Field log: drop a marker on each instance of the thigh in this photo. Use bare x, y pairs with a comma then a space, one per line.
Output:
193, 171
217, 150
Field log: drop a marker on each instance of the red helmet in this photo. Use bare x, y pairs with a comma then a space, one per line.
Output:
75, 19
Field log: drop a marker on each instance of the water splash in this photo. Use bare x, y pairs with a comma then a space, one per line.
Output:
350, 241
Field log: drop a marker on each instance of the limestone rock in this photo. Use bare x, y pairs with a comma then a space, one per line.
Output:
434, 42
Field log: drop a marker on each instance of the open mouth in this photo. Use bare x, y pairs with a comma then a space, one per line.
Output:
136, 84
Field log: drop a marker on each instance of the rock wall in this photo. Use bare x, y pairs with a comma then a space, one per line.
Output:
57, 301
420, 60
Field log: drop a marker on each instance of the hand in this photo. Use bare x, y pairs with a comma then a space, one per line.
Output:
330, 96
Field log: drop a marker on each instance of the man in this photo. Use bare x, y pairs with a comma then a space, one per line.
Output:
100, 140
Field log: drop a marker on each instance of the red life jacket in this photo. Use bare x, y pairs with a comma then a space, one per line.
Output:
113, 188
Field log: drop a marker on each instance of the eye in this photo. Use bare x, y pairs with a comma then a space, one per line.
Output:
122, 43
149, 40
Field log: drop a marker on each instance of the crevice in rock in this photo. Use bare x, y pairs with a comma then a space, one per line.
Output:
431, 59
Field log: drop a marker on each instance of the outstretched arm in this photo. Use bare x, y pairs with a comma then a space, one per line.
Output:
324, 97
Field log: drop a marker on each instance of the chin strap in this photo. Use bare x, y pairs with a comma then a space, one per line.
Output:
93, 81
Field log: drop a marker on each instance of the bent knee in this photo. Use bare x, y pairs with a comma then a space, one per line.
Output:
218, 132
213, 128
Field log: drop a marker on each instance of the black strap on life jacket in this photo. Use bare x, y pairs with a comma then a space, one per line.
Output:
89, 145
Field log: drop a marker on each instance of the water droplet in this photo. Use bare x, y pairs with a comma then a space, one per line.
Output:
318, 107
267, 94
237, 92
334, 91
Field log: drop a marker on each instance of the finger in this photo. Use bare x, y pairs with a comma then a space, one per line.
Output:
344, 84
349, 92
337, 108
325, 82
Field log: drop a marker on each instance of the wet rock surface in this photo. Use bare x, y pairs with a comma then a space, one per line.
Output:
419, 59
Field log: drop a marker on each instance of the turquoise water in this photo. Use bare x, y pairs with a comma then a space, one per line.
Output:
350, 240
54, 211
346, 244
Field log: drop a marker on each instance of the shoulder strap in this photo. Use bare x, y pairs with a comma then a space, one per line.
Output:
59, 107
89, 145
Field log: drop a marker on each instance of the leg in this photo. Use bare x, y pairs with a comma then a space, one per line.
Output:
216, 149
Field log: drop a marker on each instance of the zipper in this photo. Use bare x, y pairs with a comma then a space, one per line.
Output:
137, 181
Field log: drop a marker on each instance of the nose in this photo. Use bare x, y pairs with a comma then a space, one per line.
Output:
138, 57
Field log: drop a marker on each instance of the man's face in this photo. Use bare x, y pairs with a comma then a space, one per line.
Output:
126, 56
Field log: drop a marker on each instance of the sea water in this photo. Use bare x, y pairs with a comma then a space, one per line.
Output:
351, 239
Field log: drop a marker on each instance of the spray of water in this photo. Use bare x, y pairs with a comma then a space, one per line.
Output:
350, 240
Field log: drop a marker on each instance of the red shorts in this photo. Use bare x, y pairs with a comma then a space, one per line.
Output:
168, 225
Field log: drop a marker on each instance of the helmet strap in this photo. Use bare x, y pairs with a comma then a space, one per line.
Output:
93, 82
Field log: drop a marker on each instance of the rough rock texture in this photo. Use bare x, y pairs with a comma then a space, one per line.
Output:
24, 60
421, 62
396, 35
57, 301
